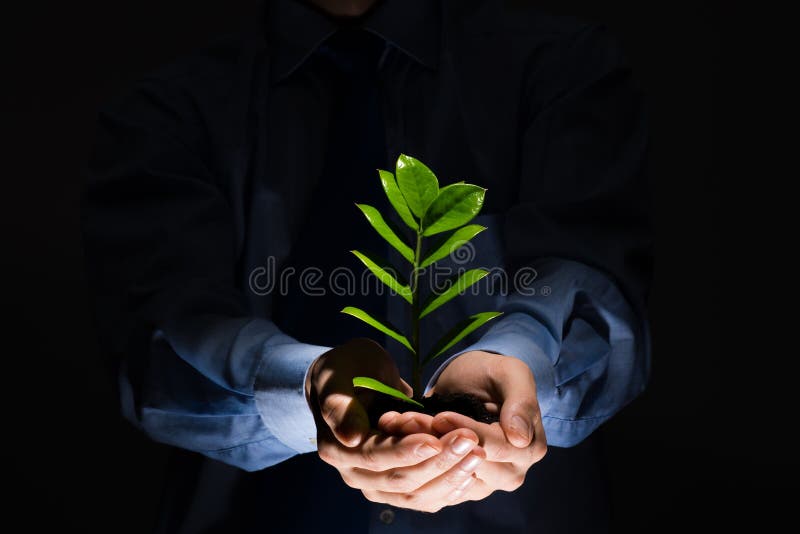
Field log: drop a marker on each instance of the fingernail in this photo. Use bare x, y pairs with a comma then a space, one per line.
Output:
462, 446
471, 463
351, 439
461, 489
467, 483
425, 451
351, 430
521, 426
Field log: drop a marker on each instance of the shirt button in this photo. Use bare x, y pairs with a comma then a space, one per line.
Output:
386, 516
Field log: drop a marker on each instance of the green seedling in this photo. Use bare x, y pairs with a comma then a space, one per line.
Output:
428, 210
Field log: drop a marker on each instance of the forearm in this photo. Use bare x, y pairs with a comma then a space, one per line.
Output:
229, 388
198, 369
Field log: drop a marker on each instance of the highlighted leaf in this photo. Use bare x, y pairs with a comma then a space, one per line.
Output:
456, 205
455, 289
459, 332
396, 199
417, 183
380, 387
376, 220
384, 276
456, 240
378, 325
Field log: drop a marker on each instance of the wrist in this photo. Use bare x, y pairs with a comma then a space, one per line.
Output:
309, 377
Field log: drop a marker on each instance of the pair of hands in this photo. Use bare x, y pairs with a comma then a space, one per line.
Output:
416, 461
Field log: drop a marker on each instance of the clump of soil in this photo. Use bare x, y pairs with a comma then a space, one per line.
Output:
462, 403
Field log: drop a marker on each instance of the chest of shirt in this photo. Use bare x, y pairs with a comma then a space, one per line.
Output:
427, 114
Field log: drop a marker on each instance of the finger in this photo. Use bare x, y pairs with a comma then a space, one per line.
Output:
479, 490
405, 387
457, 446
446, 489
519, 411
503, 476
476, 491
380, 452
333, 385
494, 440
507, 464
345, 416
492, 437
339, 407
406, 423
538, 448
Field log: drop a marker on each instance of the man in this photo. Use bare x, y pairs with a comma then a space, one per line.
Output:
249, 155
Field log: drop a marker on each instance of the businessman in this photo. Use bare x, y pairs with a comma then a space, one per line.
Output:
243, 159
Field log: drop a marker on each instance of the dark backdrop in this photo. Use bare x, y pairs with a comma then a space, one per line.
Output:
75, 463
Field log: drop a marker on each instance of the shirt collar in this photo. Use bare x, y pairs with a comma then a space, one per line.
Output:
295, 30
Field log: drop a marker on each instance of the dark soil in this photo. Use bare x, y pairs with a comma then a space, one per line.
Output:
462, 403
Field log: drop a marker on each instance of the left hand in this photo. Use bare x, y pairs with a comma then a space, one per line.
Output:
506, 384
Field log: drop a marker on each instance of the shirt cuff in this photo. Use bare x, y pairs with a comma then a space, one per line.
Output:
280, 393
523, 337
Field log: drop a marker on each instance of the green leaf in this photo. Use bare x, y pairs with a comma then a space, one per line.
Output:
456, 205
459, 332
456, 240
376, 220
380, 387
417, 183
455, 289
378, 325
384, 276
396, 198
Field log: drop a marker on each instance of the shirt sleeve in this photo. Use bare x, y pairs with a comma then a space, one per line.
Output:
581, 225
196, 369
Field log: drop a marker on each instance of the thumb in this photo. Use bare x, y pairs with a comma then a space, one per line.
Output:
519, 410
405, 388
345, 416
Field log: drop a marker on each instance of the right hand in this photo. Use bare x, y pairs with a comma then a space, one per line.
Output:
416, 470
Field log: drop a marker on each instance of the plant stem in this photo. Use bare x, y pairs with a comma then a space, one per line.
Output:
416, 371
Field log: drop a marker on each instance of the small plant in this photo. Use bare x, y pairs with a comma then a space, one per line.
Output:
428, 210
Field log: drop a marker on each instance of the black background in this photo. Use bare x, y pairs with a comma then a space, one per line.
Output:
74, 463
